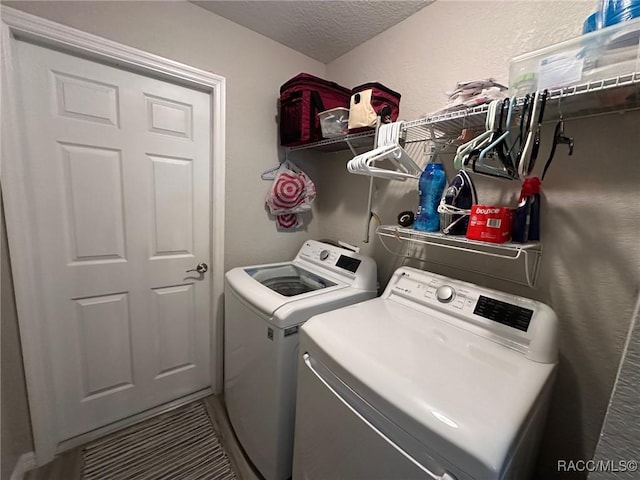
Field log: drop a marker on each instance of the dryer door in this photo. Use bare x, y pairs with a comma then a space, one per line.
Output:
343, 442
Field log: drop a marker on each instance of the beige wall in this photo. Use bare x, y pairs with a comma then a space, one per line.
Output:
16, 428
620, 439
591, 263
590, 269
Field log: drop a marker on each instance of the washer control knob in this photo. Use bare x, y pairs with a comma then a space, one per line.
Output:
445, 293
324, 254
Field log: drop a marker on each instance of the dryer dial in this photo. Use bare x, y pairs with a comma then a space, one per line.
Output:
324, 254
445, 293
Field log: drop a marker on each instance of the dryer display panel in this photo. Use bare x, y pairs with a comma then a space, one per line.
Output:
504, 313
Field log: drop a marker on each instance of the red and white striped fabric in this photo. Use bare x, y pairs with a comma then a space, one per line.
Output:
288, 221
291, 193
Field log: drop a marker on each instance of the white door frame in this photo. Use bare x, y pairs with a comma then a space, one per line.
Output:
16, 25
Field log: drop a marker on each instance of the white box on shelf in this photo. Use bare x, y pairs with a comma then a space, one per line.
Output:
603, 54
334, 122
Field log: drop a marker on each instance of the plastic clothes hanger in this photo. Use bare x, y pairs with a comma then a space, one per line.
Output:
525, 124
503, 149
470, 162
388, 149
488, 170
558, 138
364, 164
508, 170
270, 173
522, 128
465, 149
523, 113
538, 128
525, 154
462, 153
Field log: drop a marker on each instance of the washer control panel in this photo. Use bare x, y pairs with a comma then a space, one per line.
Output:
330, 256
320, 253
358, 270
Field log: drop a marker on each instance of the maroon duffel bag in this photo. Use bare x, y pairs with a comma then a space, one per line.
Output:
301, 99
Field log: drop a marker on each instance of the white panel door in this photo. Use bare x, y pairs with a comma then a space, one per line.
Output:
118, 173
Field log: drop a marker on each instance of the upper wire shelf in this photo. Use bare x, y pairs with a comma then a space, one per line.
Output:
615, 94
356, 140
448, 123
630, 79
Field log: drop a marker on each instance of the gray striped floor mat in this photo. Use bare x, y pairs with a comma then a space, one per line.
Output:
179, 445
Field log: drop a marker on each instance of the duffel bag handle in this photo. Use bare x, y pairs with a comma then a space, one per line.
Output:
316, 100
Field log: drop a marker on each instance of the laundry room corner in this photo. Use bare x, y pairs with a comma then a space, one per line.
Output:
590, 268
254, 67
334, 309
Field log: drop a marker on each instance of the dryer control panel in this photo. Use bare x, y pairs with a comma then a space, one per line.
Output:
520, 323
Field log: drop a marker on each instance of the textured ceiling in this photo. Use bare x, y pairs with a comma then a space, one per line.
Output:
321, 29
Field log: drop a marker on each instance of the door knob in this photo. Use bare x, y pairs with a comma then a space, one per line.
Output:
200, 268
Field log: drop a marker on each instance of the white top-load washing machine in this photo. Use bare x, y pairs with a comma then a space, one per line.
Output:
436, 379
265, 306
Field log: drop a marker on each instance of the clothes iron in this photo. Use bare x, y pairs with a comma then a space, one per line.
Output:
455, 204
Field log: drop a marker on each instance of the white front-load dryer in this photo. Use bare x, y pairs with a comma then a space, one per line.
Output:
435, 379
265, 305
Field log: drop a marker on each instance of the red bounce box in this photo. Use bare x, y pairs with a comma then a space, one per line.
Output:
489, 223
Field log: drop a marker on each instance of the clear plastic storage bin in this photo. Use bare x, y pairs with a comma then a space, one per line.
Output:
334, 122
603, 54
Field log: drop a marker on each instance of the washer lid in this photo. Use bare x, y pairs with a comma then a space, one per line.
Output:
288, 280
284, 311
462, 396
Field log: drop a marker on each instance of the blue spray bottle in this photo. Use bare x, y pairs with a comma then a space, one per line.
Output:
431, 185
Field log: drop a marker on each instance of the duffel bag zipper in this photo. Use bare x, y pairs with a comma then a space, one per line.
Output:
384, 99
307, 83
374, 85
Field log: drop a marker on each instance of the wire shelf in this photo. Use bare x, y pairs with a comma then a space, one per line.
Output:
357, 140
615, 94
590, 99
629, 79
530, 253
445, 124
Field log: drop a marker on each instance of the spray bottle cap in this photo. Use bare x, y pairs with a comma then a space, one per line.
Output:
530, 186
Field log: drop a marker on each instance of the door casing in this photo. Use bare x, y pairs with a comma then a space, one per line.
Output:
19, 26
